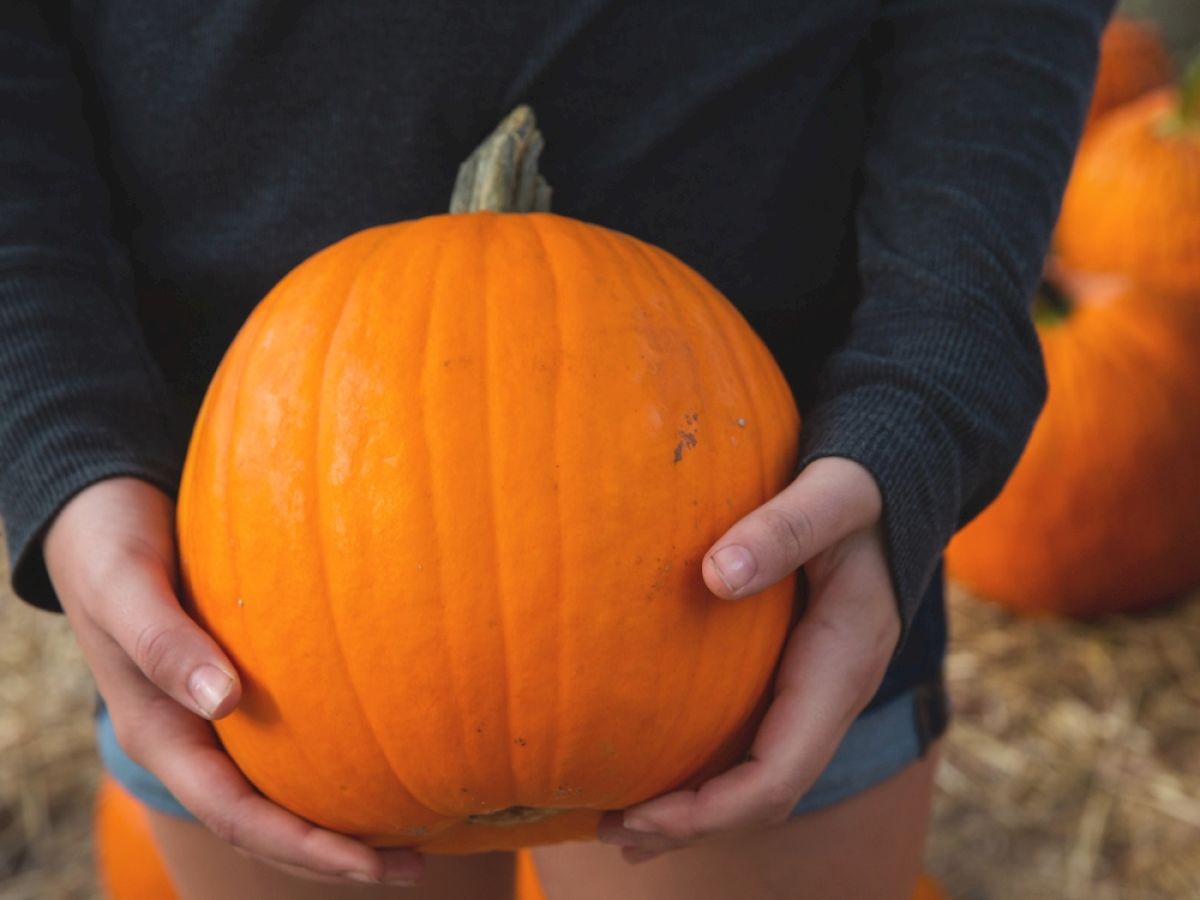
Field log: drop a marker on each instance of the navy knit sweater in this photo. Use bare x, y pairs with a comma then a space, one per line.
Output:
872, 182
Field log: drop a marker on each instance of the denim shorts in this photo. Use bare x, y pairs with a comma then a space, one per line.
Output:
881, 742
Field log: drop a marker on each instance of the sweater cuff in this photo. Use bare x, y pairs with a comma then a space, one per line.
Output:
24, 533
80, 401
895, 437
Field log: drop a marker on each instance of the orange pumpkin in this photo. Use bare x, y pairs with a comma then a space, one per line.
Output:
1133, 60
928, 889
529, 888
1132, 205
1102, 513
528, 885
127, 860
445, 507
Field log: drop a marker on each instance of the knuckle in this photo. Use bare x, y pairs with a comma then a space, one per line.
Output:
224, 824
155, 648
792, 531
778, 799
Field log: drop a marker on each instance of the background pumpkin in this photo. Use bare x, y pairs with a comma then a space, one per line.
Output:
528, 885
445, 507
1178, 20
1102, 513
1133, 61
127, 860
1132, 205
928, 889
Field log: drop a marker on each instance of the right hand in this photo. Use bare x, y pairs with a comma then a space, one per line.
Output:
111, 557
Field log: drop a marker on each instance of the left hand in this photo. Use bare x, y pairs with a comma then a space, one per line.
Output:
827, 520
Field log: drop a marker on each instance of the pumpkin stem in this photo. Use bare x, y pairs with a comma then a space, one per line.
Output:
501, 175
1189, 93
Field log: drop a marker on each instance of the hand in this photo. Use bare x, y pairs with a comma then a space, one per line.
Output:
827, 520
110, 553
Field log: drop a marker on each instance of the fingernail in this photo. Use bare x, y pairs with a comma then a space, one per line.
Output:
364, 877
735, 565
638, 823
209, 687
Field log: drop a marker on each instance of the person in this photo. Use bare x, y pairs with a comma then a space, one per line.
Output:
872, 182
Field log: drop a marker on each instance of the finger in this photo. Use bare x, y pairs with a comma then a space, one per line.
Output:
397, 869
831, 668
297, 871
612, 831
830, 499
183, 753
138, 609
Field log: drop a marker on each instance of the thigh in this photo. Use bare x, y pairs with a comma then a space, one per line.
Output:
868, 847
204, 867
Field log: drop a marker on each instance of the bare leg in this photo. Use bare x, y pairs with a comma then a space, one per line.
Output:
205, 868
866, 848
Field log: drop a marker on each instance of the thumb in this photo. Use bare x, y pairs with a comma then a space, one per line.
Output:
829, 500
141, 612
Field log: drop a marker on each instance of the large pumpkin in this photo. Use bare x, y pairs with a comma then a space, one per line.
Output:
128, 865
1102, 513
1132, 205
445, 507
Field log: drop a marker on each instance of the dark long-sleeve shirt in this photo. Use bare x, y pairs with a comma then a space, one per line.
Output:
872, 182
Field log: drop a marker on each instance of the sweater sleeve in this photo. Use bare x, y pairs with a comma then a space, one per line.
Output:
80, 398
978, 106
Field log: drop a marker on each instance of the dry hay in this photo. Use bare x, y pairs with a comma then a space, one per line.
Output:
1073, 766
47, 757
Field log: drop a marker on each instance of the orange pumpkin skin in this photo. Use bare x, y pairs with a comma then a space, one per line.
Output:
1102, 513
528, 885
127, 860
1133, 60
1132, 205
445, 507
928, 889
